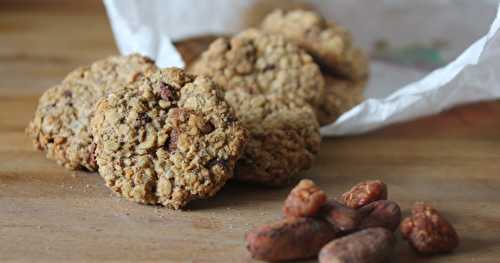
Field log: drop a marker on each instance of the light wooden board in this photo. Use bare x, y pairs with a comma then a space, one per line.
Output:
48, 214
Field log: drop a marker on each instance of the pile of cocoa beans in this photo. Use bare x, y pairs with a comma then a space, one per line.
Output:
357, 226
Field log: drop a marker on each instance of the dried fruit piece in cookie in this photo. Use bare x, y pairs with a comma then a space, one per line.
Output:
304, 200
340, 96
364, 193
330, 44
284, 137
428, 231
60, 126
166, 139
262, 63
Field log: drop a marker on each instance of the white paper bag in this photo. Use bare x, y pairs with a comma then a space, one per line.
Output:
149, 27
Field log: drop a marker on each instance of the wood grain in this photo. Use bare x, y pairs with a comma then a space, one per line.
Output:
48, 214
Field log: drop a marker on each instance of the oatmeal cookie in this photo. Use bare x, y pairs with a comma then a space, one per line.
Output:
166, 139
330, 44
60, 125
262, 63
340, 96
284, 137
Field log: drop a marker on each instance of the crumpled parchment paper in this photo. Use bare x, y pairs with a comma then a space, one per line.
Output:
149, 27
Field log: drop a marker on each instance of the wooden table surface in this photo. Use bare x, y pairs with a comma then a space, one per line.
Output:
48, 214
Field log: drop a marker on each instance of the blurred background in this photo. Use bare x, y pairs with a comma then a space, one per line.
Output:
48, 38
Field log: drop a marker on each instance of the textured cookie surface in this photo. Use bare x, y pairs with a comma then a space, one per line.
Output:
61, 123
340, 96
284, 137
330, 44
262, 63
166, 139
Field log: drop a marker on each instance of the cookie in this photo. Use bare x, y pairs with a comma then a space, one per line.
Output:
262, 63
330, 44
258, 9
167, 138
60, 126
284, 137
340, 96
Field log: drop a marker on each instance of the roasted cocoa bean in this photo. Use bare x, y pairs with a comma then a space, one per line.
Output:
364, 193
427, 231
382, 213
288, 239
344, 219
304, 200
372, 245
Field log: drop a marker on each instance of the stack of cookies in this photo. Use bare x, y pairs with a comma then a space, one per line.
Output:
251, 111
344, 66
284, 79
